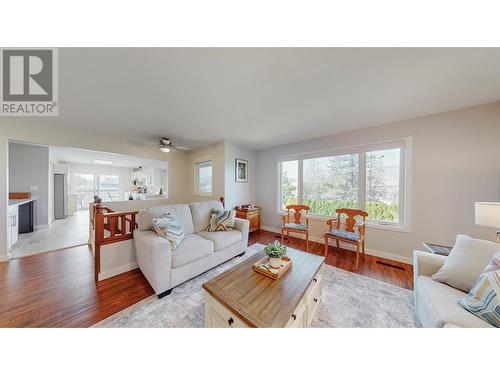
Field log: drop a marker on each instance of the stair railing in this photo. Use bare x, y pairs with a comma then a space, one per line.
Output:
110, 227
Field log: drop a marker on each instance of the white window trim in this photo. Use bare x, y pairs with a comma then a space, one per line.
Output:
196, 185
405, 143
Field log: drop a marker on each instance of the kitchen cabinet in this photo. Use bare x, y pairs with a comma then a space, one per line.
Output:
12, 225
154, 177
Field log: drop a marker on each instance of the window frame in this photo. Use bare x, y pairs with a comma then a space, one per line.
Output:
404, 144
197, 191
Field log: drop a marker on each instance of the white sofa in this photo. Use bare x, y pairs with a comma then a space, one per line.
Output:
198, 252
436, 303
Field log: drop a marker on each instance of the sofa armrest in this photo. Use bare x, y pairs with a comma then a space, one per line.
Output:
243, 225
426, 264
154, 256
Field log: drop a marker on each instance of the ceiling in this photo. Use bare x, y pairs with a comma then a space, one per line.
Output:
264, 97
77, 155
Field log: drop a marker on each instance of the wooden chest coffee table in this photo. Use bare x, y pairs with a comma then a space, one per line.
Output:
241, 297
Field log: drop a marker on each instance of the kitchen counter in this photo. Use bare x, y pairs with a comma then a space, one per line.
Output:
17, 202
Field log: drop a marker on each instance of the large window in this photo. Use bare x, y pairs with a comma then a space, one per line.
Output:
84, 187
383, 185
289, 182
109, 187
369, 179
203, 177
330, 183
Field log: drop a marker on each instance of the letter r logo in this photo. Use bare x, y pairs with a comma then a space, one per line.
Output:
27, 75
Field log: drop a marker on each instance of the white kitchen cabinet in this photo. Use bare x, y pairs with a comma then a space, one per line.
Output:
152, 177
12, 225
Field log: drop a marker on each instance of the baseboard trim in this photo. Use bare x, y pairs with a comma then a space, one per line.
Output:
116, 271
4, 258
377, 253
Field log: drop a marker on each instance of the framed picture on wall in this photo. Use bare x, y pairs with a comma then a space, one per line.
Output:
241, 170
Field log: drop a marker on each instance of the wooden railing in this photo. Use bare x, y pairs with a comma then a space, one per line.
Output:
109, 227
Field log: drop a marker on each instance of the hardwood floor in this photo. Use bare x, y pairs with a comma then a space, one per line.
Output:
396, 273
57, 289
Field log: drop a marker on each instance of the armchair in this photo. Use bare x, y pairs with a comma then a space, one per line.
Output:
352, 232
296, 226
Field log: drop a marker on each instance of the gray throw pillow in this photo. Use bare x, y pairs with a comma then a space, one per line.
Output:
466, 262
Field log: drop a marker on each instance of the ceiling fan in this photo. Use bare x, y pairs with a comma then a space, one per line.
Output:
165, 145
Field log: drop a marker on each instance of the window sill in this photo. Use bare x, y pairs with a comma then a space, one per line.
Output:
324, 218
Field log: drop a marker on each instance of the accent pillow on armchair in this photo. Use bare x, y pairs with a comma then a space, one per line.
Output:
466, 262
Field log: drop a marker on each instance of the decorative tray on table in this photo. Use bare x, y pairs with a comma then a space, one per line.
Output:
263, 267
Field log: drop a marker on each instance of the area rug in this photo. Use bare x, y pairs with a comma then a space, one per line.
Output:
349, 300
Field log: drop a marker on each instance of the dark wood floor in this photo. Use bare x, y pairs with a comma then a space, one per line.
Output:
57, 289
396, 273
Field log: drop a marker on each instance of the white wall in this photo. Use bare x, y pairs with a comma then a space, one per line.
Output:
216, 152
455, 162
238, 193
42, 131
29, 168
52, 161
223, 156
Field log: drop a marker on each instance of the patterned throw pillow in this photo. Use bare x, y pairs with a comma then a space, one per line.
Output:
221, 221
168, 227
484, 298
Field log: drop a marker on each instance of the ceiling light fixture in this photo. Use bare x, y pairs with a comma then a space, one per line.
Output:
164, 149
97, 161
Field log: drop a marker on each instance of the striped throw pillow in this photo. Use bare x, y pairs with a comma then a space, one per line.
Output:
169, 228
221, 221
484, 298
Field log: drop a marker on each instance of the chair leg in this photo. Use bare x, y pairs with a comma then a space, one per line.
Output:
282, 236
337, 243
357, 257
307, 241
326, 245
363, 245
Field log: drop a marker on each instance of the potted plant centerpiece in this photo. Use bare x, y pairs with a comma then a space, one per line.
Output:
275, 251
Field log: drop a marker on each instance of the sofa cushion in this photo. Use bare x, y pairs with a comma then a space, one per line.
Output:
181, 212
484, 298
437, 305
200, 212
169, 228
223, 239
192, 248
466, 262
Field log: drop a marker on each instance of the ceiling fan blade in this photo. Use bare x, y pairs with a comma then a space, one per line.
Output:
182, 148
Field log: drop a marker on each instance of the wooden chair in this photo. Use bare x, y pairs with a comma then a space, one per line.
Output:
352, 232
296, 226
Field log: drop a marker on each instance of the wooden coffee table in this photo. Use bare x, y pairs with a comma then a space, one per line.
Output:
241, 297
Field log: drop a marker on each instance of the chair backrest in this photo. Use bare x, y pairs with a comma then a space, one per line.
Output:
350, 214
297, 211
